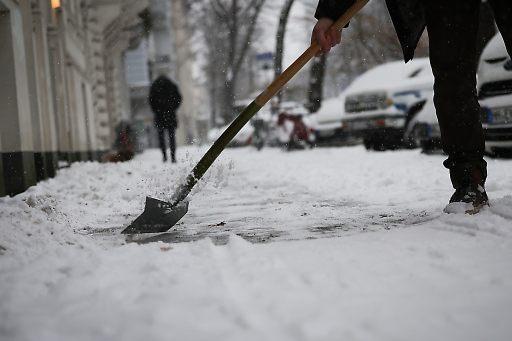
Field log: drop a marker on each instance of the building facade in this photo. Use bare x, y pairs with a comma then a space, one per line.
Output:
62, 86
165, 49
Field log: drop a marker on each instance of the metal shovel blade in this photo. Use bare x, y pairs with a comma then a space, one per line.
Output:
158, 216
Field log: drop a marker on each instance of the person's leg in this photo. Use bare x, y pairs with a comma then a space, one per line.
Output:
161, 141
452, 27
172, 143
503, 15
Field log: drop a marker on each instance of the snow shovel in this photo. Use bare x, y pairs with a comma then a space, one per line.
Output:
159, 216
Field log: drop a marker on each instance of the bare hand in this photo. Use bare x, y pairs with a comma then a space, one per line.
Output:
325, 37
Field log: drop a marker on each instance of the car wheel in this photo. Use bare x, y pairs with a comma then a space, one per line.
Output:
368, 144
380, 146
418, 133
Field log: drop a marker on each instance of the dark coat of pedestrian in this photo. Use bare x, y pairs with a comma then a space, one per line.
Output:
452, 28
165, 99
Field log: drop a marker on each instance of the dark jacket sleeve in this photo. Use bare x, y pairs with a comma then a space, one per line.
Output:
332, 9
152, 99
409, 19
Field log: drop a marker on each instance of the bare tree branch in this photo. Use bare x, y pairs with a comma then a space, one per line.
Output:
250, 31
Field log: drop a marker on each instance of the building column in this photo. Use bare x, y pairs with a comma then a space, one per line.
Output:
99, 88
48, 156
116, 42
2, 181
33, 91
59, 90
15, 122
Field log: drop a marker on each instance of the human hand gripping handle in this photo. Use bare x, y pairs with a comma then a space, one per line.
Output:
327, 25
325, 36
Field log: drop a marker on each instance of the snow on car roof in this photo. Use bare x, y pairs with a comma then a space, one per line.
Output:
333, 105
392, 74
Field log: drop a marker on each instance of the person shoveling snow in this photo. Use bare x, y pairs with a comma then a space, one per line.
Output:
452, 29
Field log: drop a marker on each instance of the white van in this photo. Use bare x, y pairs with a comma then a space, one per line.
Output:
328, 122
495, 95
378, 103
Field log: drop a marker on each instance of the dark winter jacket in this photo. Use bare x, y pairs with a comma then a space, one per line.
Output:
164, 99
408, 17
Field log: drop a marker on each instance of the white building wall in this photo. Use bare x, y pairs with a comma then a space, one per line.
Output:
59, 88
98, 83
62, 84
16, 123
188, 111
78, 74
40, 15
16, 128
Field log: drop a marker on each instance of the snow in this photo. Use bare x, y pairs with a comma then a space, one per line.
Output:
332, 110
427, 113
241, 138
323, 244
394, 75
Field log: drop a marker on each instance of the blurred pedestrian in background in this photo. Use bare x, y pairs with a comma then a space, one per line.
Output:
165, 99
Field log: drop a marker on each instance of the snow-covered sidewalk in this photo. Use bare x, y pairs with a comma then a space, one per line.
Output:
355, 248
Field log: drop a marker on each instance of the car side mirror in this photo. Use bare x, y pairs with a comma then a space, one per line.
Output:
508, 65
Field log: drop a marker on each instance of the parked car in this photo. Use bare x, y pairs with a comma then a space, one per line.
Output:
328, 123
243, 138
423, 131
495, 96
250, 133
260, 122
378, 103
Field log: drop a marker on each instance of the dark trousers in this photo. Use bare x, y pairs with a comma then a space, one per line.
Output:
172, 141
452, 27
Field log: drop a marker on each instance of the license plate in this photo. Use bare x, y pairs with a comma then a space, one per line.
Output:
501, 115
359, 125
325, 133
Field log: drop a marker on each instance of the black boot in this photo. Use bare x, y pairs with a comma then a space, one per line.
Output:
468, 180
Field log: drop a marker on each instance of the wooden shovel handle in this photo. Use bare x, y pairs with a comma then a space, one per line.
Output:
244, 117
304, 58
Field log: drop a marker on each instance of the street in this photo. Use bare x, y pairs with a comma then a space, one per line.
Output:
321, 244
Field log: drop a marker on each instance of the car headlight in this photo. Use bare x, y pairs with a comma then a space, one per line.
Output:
404, 99
485, 115
401, 106
395, 122
407, 93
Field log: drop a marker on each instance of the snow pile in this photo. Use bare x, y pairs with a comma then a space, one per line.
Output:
360, 250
